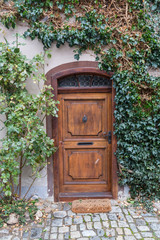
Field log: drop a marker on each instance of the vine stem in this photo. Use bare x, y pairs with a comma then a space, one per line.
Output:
20, 174
127, 13
11, 179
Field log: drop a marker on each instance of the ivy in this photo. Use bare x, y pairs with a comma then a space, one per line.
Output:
137, 130
125, 38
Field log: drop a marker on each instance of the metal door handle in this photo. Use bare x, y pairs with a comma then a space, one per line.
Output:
108, 136
84, 119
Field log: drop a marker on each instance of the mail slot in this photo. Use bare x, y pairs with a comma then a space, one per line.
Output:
85, 143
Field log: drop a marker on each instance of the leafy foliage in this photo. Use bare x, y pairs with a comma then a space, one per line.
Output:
125, 37
26, 142
137, 130
19, 207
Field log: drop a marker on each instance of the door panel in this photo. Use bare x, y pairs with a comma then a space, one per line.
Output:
84, 117
93, 107
84, 152
85, 165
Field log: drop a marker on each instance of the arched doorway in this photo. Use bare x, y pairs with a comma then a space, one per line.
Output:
84, 165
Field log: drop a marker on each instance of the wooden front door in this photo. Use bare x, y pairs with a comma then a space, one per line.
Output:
85, 149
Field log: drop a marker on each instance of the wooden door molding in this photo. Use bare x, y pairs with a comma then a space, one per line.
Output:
52, 123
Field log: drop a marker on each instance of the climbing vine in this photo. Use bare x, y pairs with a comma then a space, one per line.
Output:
125, 38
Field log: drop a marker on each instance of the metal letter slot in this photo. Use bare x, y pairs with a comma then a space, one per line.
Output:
85, 143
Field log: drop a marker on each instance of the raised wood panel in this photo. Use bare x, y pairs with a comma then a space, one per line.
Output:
85, 165
93, 106
91, 111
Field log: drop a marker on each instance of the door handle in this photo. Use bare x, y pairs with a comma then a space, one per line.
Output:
108, 136
84, 119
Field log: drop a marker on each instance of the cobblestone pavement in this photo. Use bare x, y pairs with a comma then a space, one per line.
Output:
122, 223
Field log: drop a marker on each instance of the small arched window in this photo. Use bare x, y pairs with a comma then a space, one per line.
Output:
84, 80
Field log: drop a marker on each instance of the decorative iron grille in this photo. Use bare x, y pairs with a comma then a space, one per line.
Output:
84, 80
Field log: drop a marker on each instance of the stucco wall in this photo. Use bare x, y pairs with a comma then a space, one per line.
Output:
61, 55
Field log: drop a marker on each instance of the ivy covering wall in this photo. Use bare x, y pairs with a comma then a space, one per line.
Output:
125, 37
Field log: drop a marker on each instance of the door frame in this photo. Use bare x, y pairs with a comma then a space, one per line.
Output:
52, 123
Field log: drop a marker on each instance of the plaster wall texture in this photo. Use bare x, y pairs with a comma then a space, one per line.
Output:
61, 55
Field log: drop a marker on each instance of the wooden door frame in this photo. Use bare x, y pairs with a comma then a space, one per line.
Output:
52, 123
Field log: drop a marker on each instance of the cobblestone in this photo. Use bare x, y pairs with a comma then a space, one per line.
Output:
6, 237
105, 224
53, 236
103, 216
54, 229
68, 221
157, 233
137, 236
133, 228
97, 225
127, 231
57, 222
82, 226
75, 234
100, 232
140, 222
78, 220
129, 218
119, 238
112, 216
4, 231
143, 228
16, 238
88, 233
35, 233
46, 235
120, 224
60, 214
114, 224
151, 219
87, 218
89, 225
130, 238
123, 224
63, 229
95, 218
119, 231
110, 232
147, 234
155, 226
